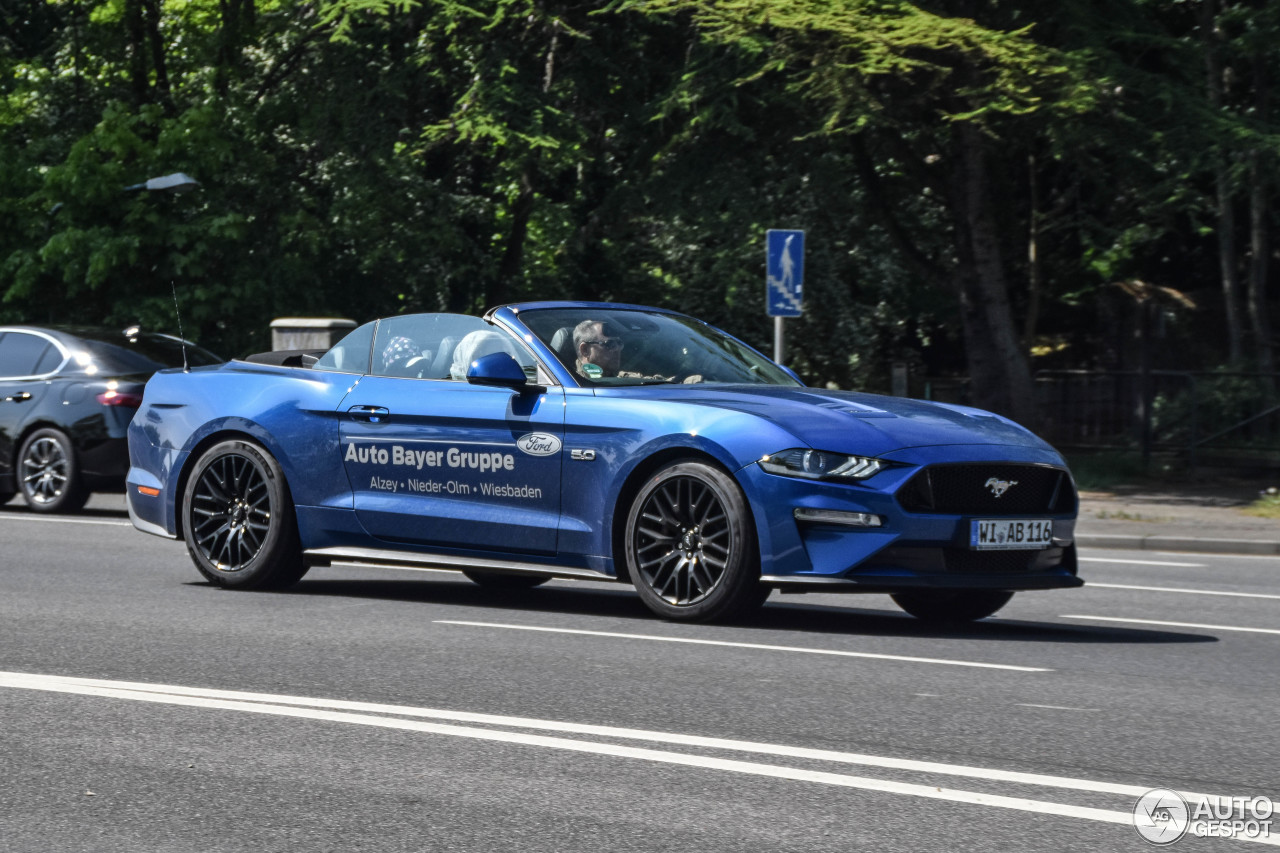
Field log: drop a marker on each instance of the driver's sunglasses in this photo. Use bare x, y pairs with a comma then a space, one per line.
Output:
612, 343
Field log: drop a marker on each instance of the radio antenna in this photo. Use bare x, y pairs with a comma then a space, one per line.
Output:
182, 339
176, 184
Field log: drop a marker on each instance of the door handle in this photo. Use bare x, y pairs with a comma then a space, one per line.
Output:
20, 397
369, 414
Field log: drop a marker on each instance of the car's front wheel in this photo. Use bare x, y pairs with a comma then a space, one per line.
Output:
238, 519
691, 547
47, 473
952, 605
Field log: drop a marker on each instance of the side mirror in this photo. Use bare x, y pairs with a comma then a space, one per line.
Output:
497, 368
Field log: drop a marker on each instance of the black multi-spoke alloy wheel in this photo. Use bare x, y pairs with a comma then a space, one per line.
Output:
952, 605
505, 581
47, 473
691, 547
238, 519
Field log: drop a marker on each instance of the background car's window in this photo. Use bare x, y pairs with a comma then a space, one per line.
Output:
23, 354
351, 354
440, 346
141, 353
50, 361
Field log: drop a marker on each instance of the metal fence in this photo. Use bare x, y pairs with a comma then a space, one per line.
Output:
1207, 418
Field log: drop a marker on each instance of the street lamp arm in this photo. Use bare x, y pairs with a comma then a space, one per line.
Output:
178, 182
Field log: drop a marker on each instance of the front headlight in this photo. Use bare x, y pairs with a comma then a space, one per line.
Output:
820, 465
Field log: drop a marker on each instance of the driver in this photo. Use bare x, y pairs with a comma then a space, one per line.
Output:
599, 353
599, 350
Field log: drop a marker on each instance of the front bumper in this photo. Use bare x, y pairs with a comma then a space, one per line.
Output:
905, 550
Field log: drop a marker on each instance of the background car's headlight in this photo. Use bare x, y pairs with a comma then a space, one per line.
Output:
820, 465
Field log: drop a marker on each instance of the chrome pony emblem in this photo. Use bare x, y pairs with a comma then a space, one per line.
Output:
999, 487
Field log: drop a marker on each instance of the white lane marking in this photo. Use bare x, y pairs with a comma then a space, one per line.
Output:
1175, 624
758, 646
1220, 556
287, 706
12, 516
1181, 589
1142, 562
1051, 707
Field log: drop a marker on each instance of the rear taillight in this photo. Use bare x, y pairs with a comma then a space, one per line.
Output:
112, 397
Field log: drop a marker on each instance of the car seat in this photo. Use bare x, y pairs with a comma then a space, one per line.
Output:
444, 358
474, 345
562, 346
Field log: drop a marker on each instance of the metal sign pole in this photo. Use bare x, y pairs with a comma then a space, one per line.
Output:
777, 339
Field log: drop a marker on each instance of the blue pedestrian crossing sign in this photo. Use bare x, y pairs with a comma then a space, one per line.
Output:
784, 272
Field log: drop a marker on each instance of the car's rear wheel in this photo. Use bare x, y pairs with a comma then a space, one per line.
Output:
690, 545
952, 605
238, 519
47, 473
502, 580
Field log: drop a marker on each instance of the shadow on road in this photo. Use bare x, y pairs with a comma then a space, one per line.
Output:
18, 508
779, 614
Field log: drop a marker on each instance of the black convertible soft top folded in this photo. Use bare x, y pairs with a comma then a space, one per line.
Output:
286, 357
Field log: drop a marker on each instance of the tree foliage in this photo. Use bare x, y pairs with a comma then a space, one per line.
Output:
974, 175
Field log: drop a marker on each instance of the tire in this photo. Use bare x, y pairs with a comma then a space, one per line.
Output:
504, 581
690, 545
952, 605
48, 474
238, 519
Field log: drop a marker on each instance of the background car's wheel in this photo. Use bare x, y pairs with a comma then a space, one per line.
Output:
238, 519
47, 473
502, 580
5, 497
690, 545
952, 605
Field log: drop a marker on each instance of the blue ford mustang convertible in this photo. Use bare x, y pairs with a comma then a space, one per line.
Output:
602, 441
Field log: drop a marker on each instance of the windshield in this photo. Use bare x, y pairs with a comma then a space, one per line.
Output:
635, 347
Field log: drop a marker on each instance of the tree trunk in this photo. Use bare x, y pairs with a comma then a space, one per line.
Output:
1000, 377
1259, 232
1226, 211
135, 31
1260, 322
1033, 258
511, 267
159, 65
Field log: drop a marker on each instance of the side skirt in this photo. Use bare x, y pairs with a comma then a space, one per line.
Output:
326, 556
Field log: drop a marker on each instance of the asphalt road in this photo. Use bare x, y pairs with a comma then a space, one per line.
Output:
390, 710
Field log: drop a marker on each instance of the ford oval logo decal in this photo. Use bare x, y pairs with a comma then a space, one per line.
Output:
539, 444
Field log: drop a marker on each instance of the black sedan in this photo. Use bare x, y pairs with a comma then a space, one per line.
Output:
66, 398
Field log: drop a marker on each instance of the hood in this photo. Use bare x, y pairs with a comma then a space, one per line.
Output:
853, 422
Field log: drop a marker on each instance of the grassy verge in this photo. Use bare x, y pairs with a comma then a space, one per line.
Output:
1267, 505
1100, 472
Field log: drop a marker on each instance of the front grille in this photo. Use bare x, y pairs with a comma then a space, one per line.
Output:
976, 489
992, 562
962, 561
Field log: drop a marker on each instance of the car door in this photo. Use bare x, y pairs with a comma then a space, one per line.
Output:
442, 462
27, 360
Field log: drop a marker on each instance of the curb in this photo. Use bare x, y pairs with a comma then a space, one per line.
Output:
1155, 542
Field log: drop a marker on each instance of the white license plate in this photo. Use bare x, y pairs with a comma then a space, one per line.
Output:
1010, 534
